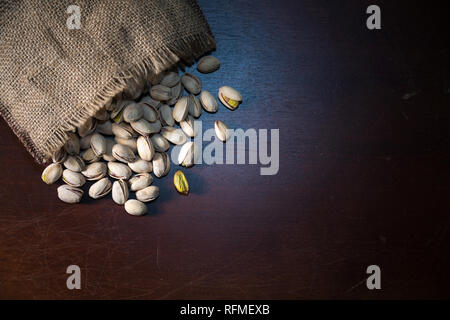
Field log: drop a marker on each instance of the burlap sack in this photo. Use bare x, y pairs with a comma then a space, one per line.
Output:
52, 78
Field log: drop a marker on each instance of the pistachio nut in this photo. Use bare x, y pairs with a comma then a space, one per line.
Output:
123, 153
161, 164
85, 142
189, 126
105, 128
150, 113
189, 154
119, 170
145, 128
161, 93
145, 148
120, 192
132, 112
222, 130
100, 189
180, 110
122, 130
208, 64
69, 194
159, 143
126, 142
191, 83
102, 114
208, 102
165, 114
173, 135
140, 181
135, 207
88, 127
194, 106
141, 166
170, 79
109, 145
230, 97
72, 178
74, 163
98, 144
59, 156
52, 173
116, 114
155, 79
89, 156
147, 194
176, 92
95, 171
147, 100
180, 182
72, 145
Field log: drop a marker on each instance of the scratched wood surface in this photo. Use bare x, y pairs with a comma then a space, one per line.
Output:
364, 173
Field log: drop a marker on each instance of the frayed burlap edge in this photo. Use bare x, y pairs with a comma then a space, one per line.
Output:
159, 60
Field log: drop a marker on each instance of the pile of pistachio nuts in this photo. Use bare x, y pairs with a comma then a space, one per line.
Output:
129, 139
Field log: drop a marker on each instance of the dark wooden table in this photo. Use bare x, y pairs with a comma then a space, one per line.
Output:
364, 173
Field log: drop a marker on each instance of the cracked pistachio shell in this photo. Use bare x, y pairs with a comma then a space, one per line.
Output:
59, 156
98, 144
140, 181
160, 143
88, 127
161, 93
145, 148
145, 128
194, 107
135, 207
222, 130
180, 110
150, 113
74, 163
120, 192
122, 130
165, 114
123, 153
161, 164
189, 126
69, 194
208, 64
100, 189
105, 128
173, 135
89, 156
52, 173
170, 79
147, 100
141, 166
119, 170
230, 97
108, 154
177, 92
72, 145
132, 112
72, 178
95, 171
116, 114
131, 143
189, 154
191, 83
85, 142
180, 182
147, 194
208, 102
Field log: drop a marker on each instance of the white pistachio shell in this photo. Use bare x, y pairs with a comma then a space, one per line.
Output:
208, 102
88, 127
191, 83
150, 113
123, 153
135, 207
119, 170
230, 97
100, 189
161, 164
145, 128
131, 143
120, 192
189, 126
69, 194
89, 156
52, 173
59, 156
85, 142
174, 135
189, 154
141, 166
74, 163
140, 181
176, 92
222, 130
108, 154
122, 130
160, 143
95, 171
147, 194
72, 178
180, 110
145, 148
132, 112
98, 144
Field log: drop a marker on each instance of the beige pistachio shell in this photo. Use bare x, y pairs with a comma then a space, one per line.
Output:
191, 83
145, 148
100, 189
161, 164
89, 156
189, 127
119, 170
180, 110
135, 207
131, 143
147, 100
109, 145
208, 102
140, 181
222, 130
141, 166
69, 194
160, 93
176, 92
98, 144
72, 178
95, 171
145, 128
160, 143
105, 128
166, 116
120, 192
189, 154
208, 64
122, 130
170, 79
195, 107
85, 142
88, 127
74, 163
147, 194
59, 156
150, 112
173, 135
132, 112
52, 173
123, 153
230, 97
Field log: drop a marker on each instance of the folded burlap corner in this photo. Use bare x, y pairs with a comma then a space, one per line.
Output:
52, 78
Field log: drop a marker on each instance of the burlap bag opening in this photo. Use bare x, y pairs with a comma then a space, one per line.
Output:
52, 78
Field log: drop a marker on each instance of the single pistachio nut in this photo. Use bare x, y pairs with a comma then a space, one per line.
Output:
69, 194
161, 164
222, 130
74, 163
123, 153
145, 128
155, 79
116, 114
120, 192
160, 143
180, 182
135, 207
165, 114
230, 97
85, 142
180, 110
95, 171
189, 126
102, 114
72, 145
150, 113
189, 154
145, 148
89, 156
194, 106
100, 189
105, 128
122, 130
141, 166
88, 127
72, 178
208, 102
98, 144
173, 135
170, 79
147, 100
160, 93
140, 181
132, 112
59, 156
131, 143
109, 145
147, 194
208, 64
191, 83
119, 170
176, 92
52, 173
